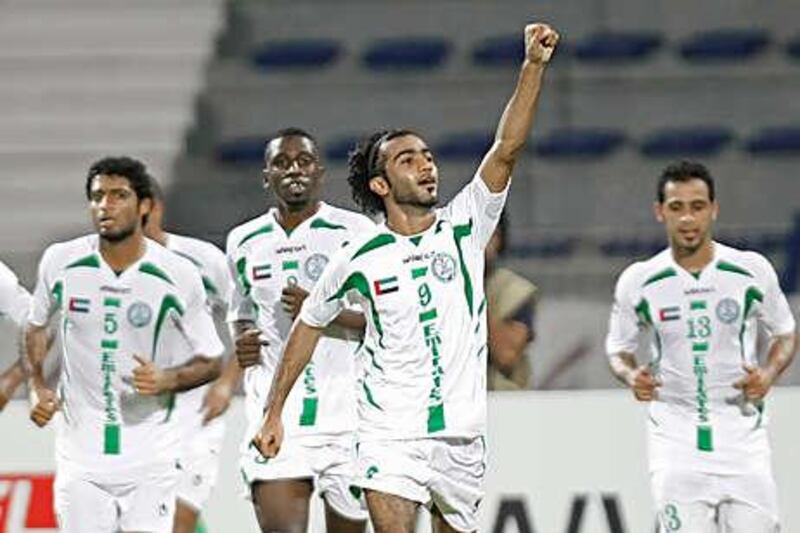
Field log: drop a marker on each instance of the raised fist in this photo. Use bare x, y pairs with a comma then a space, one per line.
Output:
540, 41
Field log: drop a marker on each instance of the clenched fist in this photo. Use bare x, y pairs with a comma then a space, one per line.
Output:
540, 42
644, 384
44, 405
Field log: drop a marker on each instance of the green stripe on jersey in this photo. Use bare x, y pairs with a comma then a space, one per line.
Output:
309, 415
90, 261
358, 282
436, 418
664, 274
730, 267
263, 230
705, 442
153, 270
321, 223
168, 303
459, 232
111, 439
373, 244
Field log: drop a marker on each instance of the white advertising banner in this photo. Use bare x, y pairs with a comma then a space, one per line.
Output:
569, 461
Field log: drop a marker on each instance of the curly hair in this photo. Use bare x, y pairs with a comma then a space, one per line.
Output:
132, 169
364, 163
684, 171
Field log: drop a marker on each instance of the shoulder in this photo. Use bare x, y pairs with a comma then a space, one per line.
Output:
7, 276
642, 273
246, 232
199, 249
72, 253
744, 262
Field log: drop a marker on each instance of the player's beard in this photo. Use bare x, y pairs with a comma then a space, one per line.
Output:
119, 235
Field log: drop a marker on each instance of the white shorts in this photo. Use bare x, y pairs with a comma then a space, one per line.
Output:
329, 464
197, 475
698, 502
87, 506
445, 472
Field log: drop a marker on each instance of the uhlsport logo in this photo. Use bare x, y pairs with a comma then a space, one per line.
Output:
728, 310
139, 314
315, 265
443, 267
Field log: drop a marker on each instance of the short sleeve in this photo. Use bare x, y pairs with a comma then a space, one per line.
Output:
15, 301
198, 324
47, 294
475, 202
774, 312
240, 304
623, 323
330, 294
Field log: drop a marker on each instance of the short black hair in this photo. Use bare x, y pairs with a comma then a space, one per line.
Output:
291, 131
364, 162
683, 171
132, 169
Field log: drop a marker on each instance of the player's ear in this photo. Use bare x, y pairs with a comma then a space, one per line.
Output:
265, 179
379, 186
658, 211
714, 210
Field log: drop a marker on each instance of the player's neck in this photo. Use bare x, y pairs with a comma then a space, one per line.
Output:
157, 234
407, 219
120, 255
290, 219
696, 260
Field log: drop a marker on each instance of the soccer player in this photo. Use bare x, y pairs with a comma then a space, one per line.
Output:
14, 305
275, 259
704, 304
419, 280
134, 326
198, 410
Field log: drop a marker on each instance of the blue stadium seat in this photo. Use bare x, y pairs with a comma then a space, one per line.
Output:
339, 148
464, 145
775, 141
686, 142
550, 249
580, 143
793, 47
300, 53
243, 151
503, 50
724, 45
631, 248
407, 53
617, 47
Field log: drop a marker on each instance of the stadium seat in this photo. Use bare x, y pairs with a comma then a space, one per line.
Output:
631, 248
241, 151
616, 47
464, 145
407, 53
686, 142
724, 45
500, 51
775, 141
549, 249
793, 47
339, 148
301, 53
580, 143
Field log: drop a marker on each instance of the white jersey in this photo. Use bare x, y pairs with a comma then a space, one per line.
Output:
155, 309
423, 361
213, 268
704, 329
264, 259
15, 301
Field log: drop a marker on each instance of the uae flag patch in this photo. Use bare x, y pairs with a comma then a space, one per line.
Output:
262, 272
79, 305
665, 314
386, 285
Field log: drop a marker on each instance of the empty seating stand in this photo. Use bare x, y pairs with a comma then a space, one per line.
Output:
499, 51
609, 47
245, 151
580, 143
407, 53
296, 54
793, 47
775, 141
464, 145
730, 45
700, 141
339, 149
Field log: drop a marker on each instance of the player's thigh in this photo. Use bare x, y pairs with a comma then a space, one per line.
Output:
390, 513
684, 501
196, 479
738, 517
282, 504
457, 486
186, 517
688, 517
150, 506
83, 507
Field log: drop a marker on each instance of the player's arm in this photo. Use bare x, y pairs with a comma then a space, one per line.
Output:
517, 119
150, 380
639, 378
292, 298
757, 381
43, 400
302, 341
218, 397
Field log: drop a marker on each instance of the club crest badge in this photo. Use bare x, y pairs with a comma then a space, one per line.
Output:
443, 267
315, 265
728, 310
139, 314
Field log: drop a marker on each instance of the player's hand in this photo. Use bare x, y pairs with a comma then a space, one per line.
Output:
269, 438
756, 382
540, 42
216, 401
44, 405
292, 299
248, 347
644, 384
148, 378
